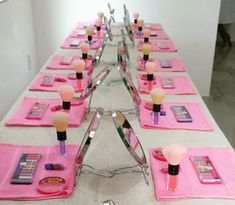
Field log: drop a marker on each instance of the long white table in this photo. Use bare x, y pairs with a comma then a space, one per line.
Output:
107, 150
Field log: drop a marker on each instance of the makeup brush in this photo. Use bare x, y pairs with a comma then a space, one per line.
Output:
140, 23
136, 16
100, 15
66, 93
79, 66
157, 95
174, 154
147, 48
150, 68
89, 32
147, 33
60, 122
98, 23
85, 49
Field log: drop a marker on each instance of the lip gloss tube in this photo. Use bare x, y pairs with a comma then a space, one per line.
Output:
172, 177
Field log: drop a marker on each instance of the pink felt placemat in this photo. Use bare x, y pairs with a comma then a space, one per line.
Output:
10, 155
152, 26
84, 25
156, 46
78, 33
96, 43
189, 185
177, 64
159, 35
76, 114
55, 63
182, 85
36, 84
200, 121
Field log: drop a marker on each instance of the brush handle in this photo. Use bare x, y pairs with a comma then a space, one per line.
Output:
155, 118
62, 147
79, 84
150, 85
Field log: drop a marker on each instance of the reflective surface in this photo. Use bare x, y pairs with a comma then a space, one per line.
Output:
126, 77
129, 138
125, 45
94, 83
108, 28
87, 139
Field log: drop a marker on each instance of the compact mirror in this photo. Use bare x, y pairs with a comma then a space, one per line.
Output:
126, 13
51, 185
94, 83
88, 137
129, 138
108, 202
126, 78
108, 28
125, 45
129, 29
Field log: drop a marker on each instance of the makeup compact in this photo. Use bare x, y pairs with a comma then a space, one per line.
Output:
131, 141
51, 185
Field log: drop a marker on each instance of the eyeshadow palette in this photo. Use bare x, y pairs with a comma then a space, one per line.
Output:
25, 168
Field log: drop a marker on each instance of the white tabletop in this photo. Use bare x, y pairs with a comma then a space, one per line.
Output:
107, 150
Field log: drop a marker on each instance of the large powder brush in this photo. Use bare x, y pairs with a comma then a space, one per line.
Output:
66, 93
85, 48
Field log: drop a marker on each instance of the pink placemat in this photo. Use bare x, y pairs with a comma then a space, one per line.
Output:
84, 25
55, 64
78, 33
177, 64
96, 43
199, 122
160, 46
76, 114
36, 84
10, 155
152, 26
182, 85
189, 185
159, 35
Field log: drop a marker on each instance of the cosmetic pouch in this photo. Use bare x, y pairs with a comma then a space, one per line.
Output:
76, 114
55, 64
10, 155
169, 121
189, 185
95, 45
176, 64
36, 85
182, 86
159, 46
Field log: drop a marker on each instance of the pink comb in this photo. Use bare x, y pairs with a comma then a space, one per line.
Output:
78, 65
66, 93
150, 67
174, 153
136, 15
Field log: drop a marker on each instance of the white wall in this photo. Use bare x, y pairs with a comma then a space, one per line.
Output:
191, 24
17, 49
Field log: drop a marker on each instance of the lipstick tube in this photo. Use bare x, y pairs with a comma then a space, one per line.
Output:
172, 177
